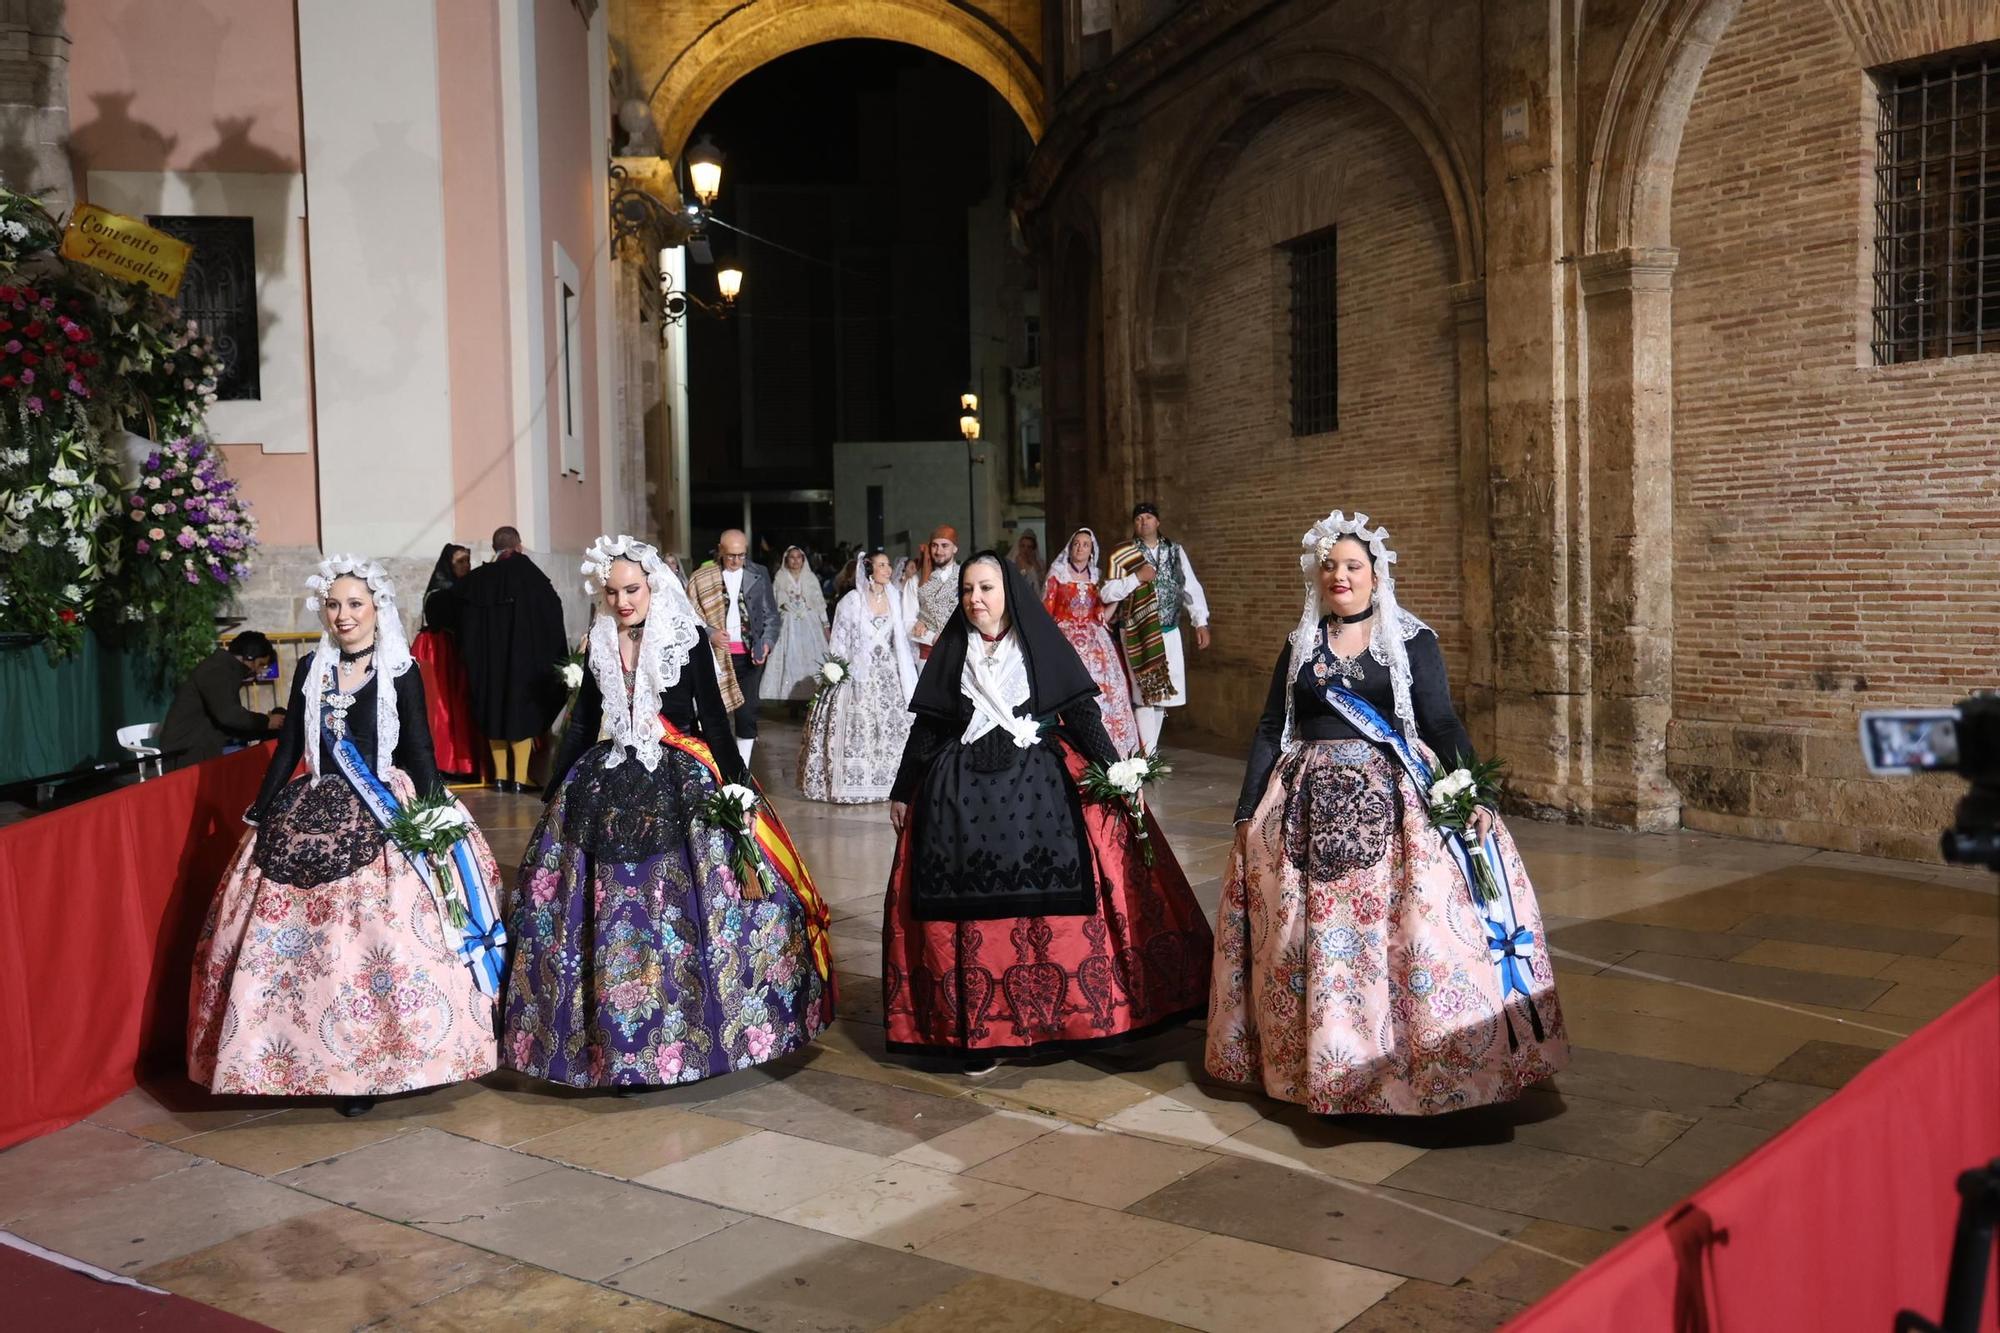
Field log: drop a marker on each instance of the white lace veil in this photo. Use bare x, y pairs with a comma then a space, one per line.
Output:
850, 629
672, 630
392, 655
1388, 637
1062, 571
805, 582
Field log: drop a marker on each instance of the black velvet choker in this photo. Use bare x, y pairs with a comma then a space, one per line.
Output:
1354, 619
349, 659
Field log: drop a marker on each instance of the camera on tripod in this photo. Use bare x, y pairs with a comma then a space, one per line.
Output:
1963, 740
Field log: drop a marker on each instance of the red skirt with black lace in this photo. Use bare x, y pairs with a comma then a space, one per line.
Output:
1139, 961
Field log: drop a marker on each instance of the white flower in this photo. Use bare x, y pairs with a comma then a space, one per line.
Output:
832, 673
152, 483
14, 457
13, 539
572, 675
1128, 775
79, 548
63, 476
1450, 785
61, 499
72, 593
744, 797
15, 231
159, 509
47, 537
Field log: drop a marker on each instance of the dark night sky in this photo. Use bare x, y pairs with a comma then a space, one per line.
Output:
864, 156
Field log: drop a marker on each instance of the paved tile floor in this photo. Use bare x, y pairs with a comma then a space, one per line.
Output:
1716, 991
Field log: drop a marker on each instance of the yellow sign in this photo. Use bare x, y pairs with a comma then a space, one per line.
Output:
126, 248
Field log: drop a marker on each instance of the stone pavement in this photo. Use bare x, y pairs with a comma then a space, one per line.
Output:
1716, 990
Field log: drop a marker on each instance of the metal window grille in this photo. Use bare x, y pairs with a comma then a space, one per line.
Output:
1937, 208
1315, 347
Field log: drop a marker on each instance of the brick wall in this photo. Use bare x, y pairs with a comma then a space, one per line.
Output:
1239, 488
1837, 526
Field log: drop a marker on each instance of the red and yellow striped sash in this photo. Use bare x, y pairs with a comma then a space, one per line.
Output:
776, 844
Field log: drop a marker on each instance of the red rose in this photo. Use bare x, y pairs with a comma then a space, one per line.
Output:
34, 328
8, 381
87, 359
29, 358
67, 616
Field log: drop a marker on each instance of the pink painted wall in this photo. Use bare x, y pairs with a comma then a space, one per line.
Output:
191, 85
475, 267
563, 102
283, 491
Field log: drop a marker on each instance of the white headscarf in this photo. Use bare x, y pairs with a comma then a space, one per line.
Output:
805, 583
850, 628
1061, 570
392, 654
672, 630
1392, 629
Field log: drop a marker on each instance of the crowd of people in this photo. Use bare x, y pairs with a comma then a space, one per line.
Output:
663, 927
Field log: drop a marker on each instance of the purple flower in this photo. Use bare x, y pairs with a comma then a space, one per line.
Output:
193, 577
185, 537
144, 546
152, 463
34, 406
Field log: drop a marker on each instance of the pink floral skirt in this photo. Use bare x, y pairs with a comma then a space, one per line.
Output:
1353, 969
322, 968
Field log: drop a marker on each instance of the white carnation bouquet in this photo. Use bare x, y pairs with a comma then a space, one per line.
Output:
430, 826
733, 809
1124, 783
570, 670
1453, 798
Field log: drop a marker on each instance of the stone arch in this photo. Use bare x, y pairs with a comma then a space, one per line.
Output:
1253, 97
753, 35
1629, 194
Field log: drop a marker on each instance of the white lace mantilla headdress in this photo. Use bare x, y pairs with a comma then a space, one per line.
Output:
1063, 571
671, 633
392, 654
1391, 631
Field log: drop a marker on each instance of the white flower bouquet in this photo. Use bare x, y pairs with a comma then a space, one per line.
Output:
430, 826
1453, 798
570, 671
832, 672
1125, 783
733, 809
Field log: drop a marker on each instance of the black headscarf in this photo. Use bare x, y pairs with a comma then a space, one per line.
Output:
1056, 675
442, 574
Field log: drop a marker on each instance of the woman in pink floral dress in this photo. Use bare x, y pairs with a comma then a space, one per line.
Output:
1071, 597
328, 964
1355, 968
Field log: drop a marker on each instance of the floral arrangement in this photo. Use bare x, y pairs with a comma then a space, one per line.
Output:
1452, 800
57, 544
189, 540
1124, 783
734, 810
570, 671
83, 358
831, 673
430, 826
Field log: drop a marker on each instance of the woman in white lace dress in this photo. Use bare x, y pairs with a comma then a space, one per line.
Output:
801, 642
857, 728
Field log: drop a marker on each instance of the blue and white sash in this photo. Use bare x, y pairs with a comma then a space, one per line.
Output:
1507, 940
482, 942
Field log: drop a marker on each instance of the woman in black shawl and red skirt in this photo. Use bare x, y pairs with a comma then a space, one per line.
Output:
1020, 914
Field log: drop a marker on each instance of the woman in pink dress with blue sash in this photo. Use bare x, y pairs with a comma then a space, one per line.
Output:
1356, 969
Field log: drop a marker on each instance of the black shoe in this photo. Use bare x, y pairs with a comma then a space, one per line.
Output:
977, 1066
509, 788
629, 1090
355, 1106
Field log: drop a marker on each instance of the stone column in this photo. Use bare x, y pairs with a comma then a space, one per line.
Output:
1531, 468
1475, 514
1628, 409
34, 101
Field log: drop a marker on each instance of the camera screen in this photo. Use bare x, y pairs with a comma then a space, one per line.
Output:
1912, 742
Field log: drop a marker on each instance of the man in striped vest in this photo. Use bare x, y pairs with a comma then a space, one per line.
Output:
1152, 582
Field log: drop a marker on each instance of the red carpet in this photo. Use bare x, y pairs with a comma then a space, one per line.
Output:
49, 1298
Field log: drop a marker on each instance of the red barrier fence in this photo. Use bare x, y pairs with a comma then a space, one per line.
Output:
1837, 1223
100, 904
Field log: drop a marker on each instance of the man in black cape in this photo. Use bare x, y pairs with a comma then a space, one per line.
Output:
511, 636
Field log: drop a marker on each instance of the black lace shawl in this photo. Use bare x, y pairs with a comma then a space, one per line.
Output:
1057, 679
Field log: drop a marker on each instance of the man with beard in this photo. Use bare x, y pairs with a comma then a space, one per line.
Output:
1152, 582
931, 595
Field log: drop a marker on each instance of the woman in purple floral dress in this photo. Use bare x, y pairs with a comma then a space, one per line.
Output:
640, 958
